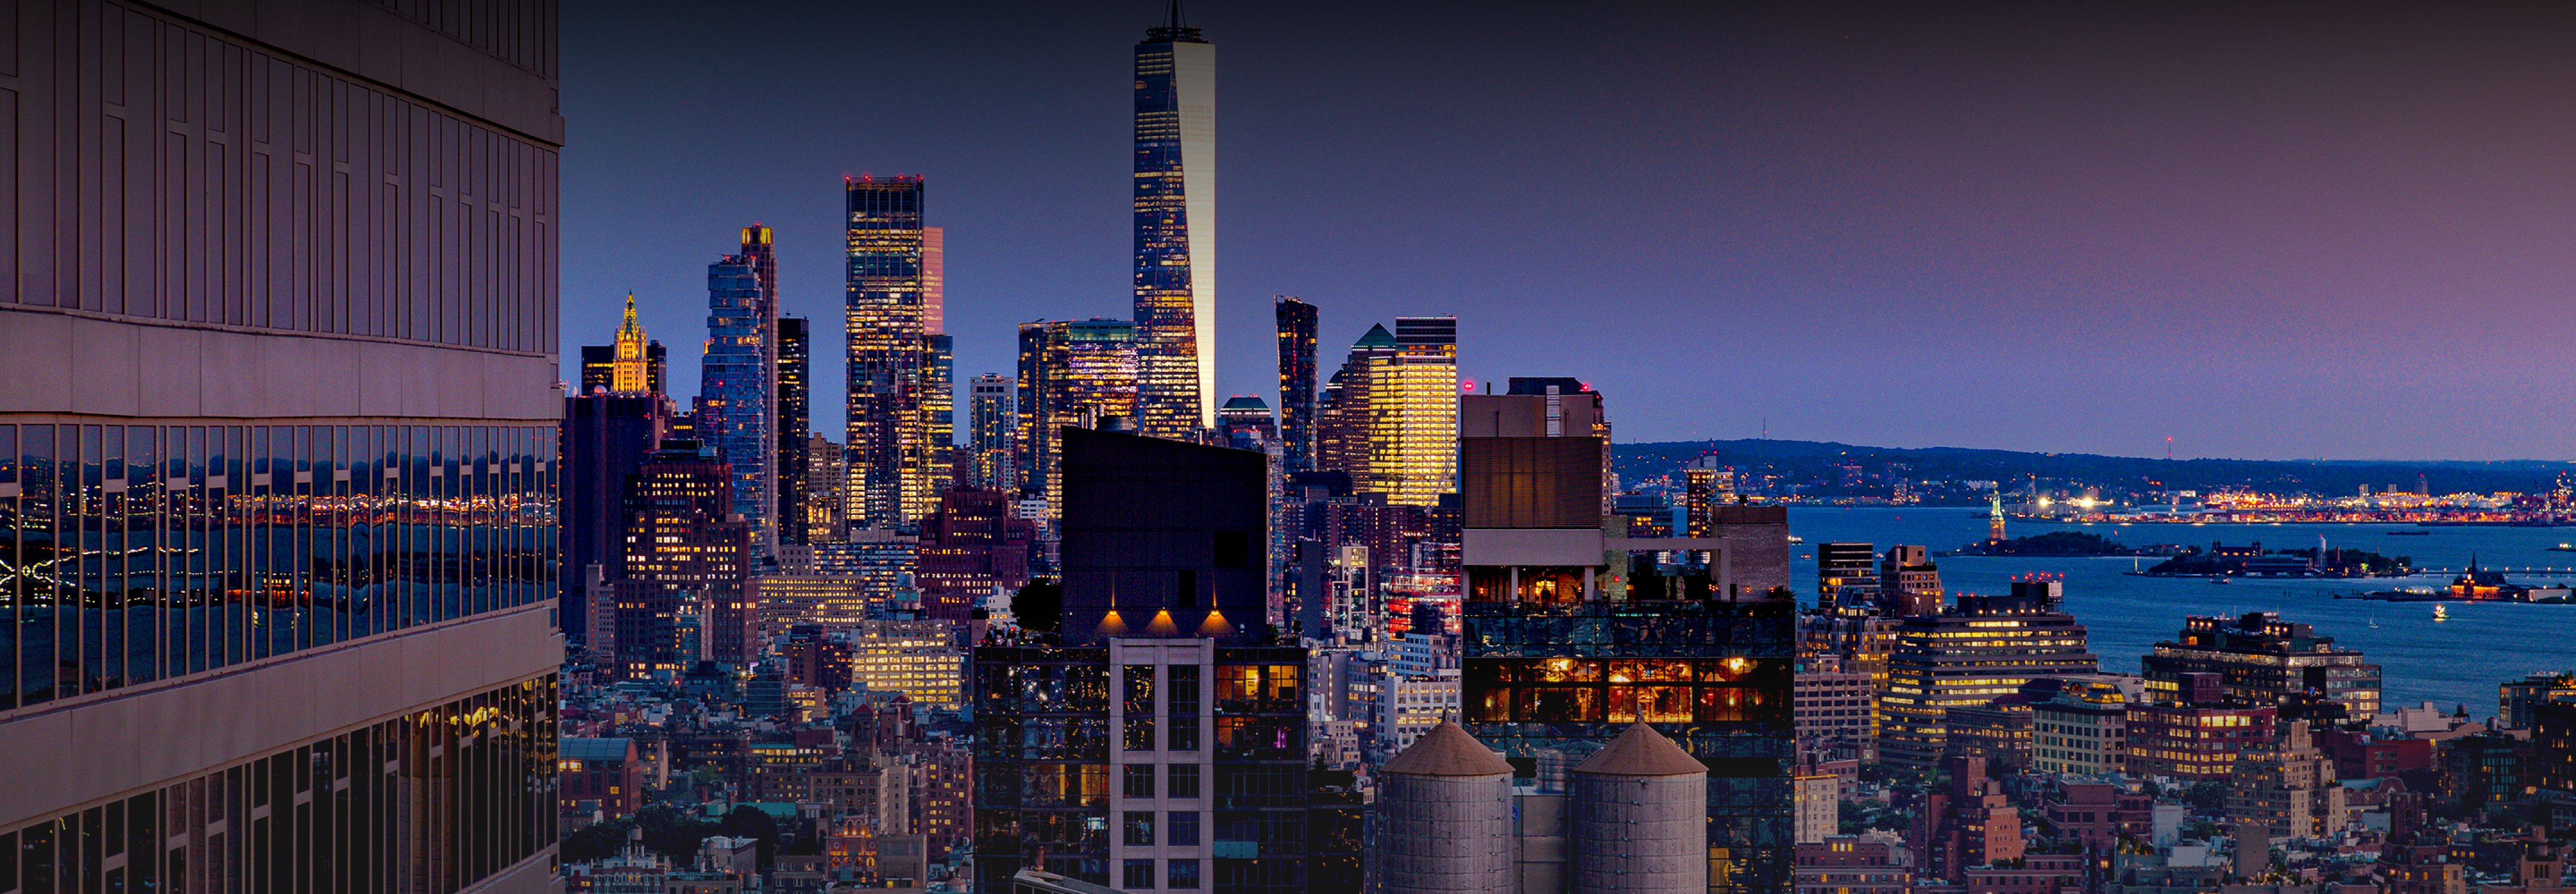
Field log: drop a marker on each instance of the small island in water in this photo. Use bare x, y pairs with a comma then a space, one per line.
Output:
2053, 543
2221, 560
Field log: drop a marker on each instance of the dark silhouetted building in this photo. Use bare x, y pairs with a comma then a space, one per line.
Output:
795, 428
606, 437
1296, 380
1162, 536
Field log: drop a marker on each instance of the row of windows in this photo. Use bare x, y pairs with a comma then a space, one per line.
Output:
1181, 781
220, 183
461, 792
131, 553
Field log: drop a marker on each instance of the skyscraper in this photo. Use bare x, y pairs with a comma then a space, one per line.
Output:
682, 549
939, 413
795, 369
606, 437
333, 287
884, 293
737, 382
1574, 632
1176, 230
1296, 380
993, 417
1389, 417
1073, 373
630, 355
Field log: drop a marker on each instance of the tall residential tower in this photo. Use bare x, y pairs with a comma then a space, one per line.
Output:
795, 422
278, 447
738, 380
1296, 380
1176, 230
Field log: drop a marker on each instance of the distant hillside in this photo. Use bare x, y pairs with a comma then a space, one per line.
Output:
1799, 461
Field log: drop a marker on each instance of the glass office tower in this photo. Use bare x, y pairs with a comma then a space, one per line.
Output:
885, 287
1176, 230
277, 447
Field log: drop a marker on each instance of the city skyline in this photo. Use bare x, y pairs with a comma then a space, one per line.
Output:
2008, 296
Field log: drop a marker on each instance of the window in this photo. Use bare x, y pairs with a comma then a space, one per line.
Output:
1181, 781
1140, 875
1185, 875
1139, 780
1140, 828
1183, 828
1138, 731
1183, 698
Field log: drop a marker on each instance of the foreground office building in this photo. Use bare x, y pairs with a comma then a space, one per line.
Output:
1159, 743
277, 448
1573, 634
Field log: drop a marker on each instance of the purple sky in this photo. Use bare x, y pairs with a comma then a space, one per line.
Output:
2337, 232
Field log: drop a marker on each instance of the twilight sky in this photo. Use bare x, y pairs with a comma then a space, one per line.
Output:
2329, 232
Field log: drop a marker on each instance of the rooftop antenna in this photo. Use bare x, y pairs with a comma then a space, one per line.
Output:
1172, 19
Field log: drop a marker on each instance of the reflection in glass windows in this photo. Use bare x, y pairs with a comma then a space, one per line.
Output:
133, 553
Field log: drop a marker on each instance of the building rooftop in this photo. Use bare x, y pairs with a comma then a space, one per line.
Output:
593, 749
1447, 750
1641, 751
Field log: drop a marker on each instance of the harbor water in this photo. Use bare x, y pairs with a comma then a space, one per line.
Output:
2453, 662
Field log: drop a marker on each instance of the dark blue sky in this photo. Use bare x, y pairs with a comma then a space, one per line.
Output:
2330, 232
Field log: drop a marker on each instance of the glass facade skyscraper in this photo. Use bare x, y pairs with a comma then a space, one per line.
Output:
278, 448
737, 384
1072, 373
993, 417
885, 288
1176, 230
1389, 416
1296, 380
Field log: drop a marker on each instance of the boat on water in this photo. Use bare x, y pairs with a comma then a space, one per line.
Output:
2374, 619
2220, 580
2440, 613
2412, 533
2563, 548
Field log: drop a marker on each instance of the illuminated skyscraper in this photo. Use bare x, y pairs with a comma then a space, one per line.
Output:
640, 360
278, 447
682, 549
1072, 373
1296, 380
738, 385
795, 370
1389, 417
939, 412
1176, 230
993, 417
886, 285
